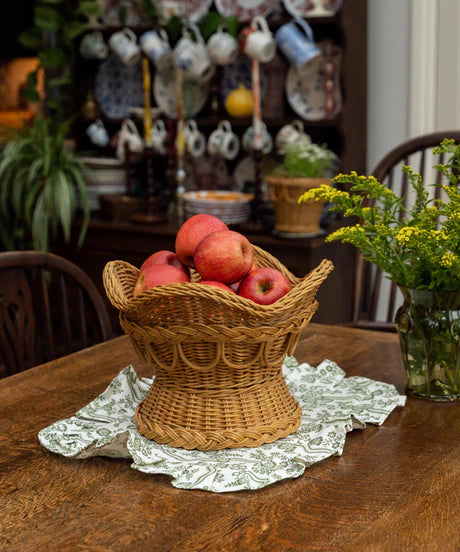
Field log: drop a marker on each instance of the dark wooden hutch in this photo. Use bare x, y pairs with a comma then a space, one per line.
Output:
345, 134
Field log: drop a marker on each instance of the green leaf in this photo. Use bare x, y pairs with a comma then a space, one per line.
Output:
209, 24
123, 14
47, 19
73, 30
61, 80
40, 226
32, 38
63, 202
52, 58
31, 199
174, 28
149, 8
89, 8
232, 25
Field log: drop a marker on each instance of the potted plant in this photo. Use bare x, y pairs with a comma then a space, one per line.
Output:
304, 165
420, 252
41, 187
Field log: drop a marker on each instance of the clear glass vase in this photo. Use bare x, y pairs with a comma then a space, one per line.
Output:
428, 325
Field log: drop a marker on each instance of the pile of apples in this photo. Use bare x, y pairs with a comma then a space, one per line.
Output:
222, 257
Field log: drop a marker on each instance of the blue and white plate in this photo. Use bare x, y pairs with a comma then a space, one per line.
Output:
240, 72
165, 94
118, 87
305, 90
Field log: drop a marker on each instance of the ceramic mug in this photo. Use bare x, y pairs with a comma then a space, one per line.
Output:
159, 136
155, 45
258, 41
289, 134
248, 139
296, 41
195, 142
93, 46
222, 47
129, 136
192, 56
98, 134
223, 142
124, 44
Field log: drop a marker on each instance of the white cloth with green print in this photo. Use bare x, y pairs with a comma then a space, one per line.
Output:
332, 405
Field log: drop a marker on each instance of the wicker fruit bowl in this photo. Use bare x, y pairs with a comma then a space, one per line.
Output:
217, 357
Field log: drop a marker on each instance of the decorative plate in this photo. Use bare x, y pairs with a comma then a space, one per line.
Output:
165, 94
305, 90
118, 87
196, 9
245, 10
312, 8
240, 72
111, 13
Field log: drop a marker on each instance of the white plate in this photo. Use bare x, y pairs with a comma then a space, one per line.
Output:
118, 87
305, 90
245, 10
196, 9
165, 94
312, 8
111, 13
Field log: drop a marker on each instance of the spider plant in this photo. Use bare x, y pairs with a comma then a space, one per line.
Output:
41, 188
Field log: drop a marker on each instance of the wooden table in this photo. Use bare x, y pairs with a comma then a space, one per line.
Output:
395, 488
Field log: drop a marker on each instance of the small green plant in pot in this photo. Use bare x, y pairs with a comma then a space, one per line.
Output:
304, 165
41, 188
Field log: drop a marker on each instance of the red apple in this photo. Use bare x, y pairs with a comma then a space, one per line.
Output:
192, 232
264, 286
236, 285
213, 283
225, 256
159, 275
164, 257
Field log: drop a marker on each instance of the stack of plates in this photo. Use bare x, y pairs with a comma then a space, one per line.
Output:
103, 176
231, 207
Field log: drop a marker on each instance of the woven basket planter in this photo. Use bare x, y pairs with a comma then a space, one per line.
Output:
291, 217
217, 357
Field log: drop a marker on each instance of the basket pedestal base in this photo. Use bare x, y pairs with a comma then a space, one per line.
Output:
235, 417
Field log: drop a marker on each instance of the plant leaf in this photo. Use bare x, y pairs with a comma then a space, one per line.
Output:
51, 58
89, 8
40, 226
62, 201
232, 24
47, 18
209, 24
32, 38
149, 8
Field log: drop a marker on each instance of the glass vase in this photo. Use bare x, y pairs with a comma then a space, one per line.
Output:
428, 325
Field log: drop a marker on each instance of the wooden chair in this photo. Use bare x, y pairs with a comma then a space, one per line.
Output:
376, 299
48, 308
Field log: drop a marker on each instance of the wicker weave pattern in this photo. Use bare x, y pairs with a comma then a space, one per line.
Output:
217, 357
290, 217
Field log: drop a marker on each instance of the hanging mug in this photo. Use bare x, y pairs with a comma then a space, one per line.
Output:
192, 56
248, 139
129, 136
195, 142
155, 45
98, 134
124, 44
296, 41
257, 40
159, 136
93, 46
222, 47
223, 142
290, 133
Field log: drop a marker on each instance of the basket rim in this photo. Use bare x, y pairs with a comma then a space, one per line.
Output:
309, 283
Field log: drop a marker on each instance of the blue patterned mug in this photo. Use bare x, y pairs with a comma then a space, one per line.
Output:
296, 41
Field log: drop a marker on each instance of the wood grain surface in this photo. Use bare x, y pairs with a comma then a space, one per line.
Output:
394, 488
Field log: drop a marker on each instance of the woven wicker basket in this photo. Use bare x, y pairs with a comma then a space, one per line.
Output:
290, 216
217, 357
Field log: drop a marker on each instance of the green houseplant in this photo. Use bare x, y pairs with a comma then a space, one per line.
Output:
420, 252
41, 187
304, 165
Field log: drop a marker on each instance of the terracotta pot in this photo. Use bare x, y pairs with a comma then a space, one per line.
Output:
291, 217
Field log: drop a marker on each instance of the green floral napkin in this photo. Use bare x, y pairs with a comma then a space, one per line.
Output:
332, 405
